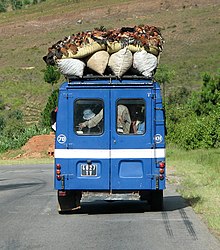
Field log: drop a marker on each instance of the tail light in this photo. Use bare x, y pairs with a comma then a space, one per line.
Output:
58, 172
162, 164
58, 166
161, 170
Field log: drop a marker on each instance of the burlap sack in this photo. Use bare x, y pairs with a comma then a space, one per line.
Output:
120, 62
113, 47
98, 61
116, 46
71, 67
135, 48
145, 63
88, 50
154, 50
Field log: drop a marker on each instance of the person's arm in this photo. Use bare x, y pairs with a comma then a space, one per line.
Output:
93, 122
127, 121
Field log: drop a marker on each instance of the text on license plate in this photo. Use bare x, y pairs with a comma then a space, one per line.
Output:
88, 169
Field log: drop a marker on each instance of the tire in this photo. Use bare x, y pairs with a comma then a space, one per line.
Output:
145, 195
156, 200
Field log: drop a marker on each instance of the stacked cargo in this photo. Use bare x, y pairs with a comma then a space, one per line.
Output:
102, 51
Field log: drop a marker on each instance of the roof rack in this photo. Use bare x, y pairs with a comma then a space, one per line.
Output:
74, 79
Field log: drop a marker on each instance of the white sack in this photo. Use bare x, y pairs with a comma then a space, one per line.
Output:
71, 67
98, 61
120, 62
145, 63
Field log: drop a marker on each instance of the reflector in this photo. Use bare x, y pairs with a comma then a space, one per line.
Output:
161, 171
161, 177
162, 164
58, 166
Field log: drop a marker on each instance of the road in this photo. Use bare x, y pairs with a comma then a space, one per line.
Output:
29, 218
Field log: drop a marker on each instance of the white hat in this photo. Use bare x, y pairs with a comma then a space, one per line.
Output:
88, 114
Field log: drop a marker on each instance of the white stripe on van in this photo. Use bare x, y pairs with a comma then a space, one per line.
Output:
109, 154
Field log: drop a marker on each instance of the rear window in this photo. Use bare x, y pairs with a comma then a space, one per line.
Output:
131, 116
88, 117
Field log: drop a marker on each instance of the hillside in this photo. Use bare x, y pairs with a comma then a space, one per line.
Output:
190, 28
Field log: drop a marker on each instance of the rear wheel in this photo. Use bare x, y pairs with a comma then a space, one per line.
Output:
145, 195
156, 200
69, 200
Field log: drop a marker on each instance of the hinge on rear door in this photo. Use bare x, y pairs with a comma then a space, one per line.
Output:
150, 95
68, 95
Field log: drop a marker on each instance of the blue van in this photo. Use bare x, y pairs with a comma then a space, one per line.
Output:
110, 137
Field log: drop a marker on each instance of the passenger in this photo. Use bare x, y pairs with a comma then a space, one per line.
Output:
139, 124
123, 120
91, 120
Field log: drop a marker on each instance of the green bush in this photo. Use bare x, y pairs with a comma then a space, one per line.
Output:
8, 141
3, 7
194, 132
27, 2
193, 119
2, 106
2, 124
16, 114
14, 133
16, 4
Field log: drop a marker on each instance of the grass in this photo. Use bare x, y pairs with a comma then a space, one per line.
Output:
11, 157
8, 162
199, 174
189, 49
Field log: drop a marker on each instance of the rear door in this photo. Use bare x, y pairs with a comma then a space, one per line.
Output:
132, 150
88, 147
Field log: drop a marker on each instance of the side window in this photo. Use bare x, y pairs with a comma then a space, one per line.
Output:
131, 116
88, 116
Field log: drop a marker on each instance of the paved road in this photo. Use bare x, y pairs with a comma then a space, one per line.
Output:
29, 220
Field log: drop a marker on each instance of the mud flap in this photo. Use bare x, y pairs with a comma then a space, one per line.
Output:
68, 200
157, 200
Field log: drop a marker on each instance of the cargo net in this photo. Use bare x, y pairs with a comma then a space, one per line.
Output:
128, 50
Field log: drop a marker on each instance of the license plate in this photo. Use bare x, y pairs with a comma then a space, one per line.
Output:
88, 169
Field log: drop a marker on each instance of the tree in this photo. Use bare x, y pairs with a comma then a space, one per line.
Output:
163, 76
50, 106
207, 99
51, 75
